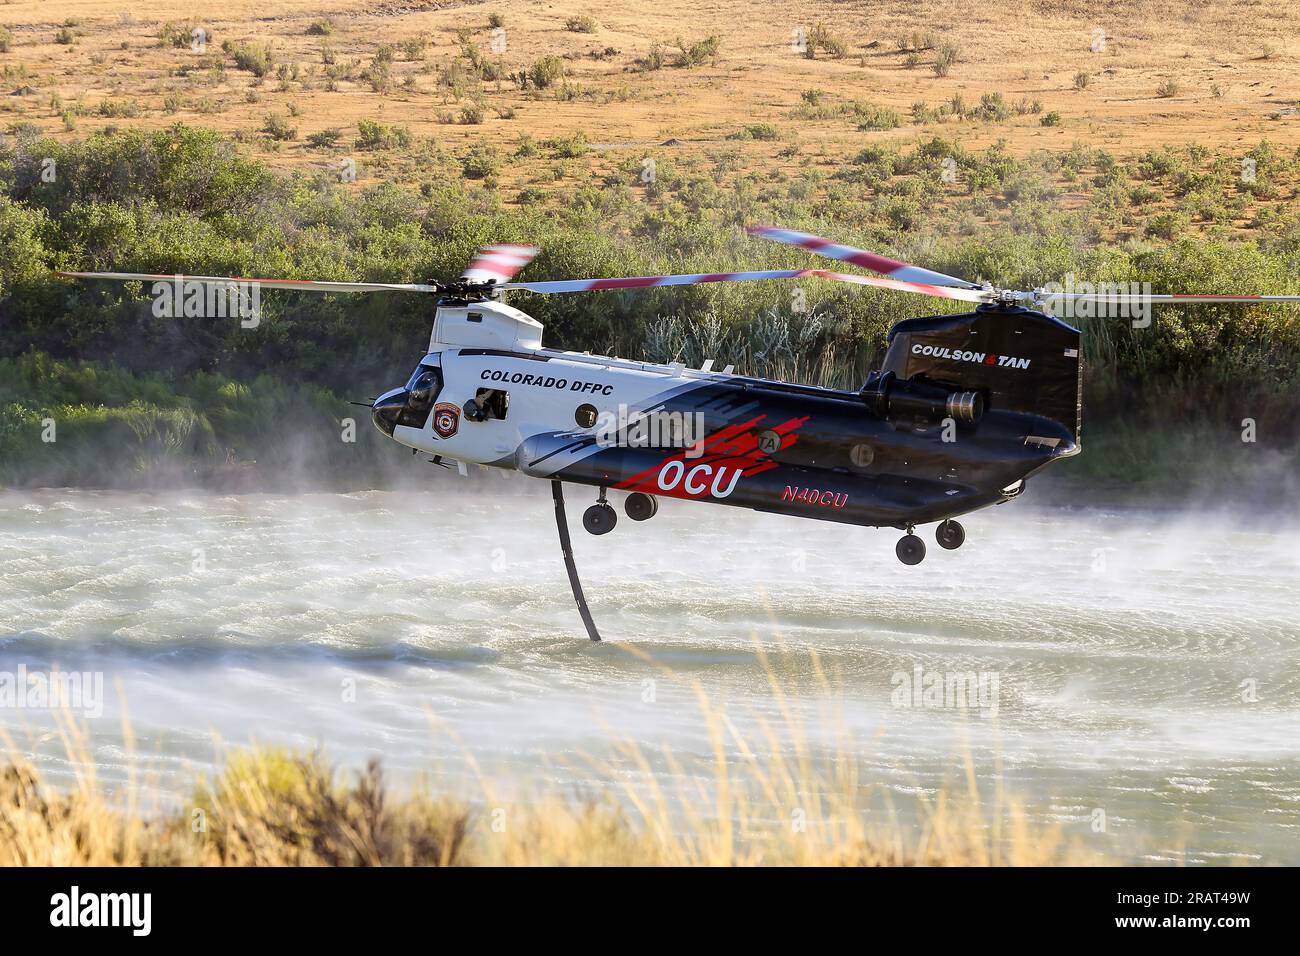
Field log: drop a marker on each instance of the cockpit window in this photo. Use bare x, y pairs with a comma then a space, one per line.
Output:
421, 392
420, 369
425, 386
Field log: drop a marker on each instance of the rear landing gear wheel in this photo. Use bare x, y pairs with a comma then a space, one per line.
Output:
640, 506
950, 535
910, 549
600, 518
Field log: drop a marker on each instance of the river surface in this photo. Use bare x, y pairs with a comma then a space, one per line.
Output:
1137, 674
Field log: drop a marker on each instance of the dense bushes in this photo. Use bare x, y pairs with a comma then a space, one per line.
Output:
68, 423
184, 201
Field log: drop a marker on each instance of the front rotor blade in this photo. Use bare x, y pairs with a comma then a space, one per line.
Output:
499, 263
859, 257
921, 288
305, 285
645, 282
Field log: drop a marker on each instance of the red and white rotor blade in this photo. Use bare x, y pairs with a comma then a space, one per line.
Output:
921, 288
304, 285
1188, 298
646, 282
499, 263
859, 257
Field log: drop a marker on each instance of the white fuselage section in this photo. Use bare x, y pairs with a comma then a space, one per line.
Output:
546, 391
491, 346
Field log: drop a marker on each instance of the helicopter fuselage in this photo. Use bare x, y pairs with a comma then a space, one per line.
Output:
915, 447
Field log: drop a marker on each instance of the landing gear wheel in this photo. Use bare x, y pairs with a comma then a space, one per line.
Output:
640, 506
910, 549
599, 518
950, 535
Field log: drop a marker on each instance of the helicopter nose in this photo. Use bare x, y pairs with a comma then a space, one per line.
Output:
386, 409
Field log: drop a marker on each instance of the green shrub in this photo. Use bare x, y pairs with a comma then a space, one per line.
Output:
568, 147
1168, 225
379, 74
254, 59
480, 162
698, 52
177, 35
821, 38
760, 131
654, 60
944, 59
279, 128
546, 72
413, 47
870, 117
118, 109
325, 139
373, 135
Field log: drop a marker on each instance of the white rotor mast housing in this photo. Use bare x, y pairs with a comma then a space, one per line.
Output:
488, 324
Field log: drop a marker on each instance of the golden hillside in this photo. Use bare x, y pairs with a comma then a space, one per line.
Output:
1121, 75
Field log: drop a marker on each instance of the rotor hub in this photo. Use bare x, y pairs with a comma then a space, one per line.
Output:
466, 290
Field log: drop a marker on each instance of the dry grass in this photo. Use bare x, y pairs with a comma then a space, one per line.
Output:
770, 801
269, 808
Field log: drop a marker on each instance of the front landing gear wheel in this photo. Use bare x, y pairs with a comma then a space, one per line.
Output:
599, 518
910, 549
640, 506
950, 535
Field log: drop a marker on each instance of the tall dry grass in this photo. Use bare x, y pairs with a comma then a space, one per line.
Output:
773, 800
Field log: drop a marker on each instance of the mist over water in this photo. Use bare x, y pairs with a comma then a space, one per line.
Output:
1147, 665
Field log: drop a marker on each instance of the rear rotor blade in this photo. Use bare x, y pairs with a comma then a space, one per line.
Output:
304, 285
499, 263
1189, 298
643, 282
859, 257
921, 288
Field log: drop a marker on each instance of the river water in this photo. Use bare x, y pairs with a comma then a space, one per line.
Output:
1133, 668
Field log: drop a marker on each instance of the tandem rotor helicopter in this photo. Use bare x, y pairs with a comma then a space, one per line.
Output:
963, 410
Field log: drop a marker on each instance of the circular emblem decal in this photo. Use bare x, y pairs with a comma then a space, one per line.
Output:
446, 419
769, 442
862, 456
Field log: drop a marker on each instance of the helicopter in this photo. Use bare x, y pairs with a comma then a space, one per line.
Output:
964, 409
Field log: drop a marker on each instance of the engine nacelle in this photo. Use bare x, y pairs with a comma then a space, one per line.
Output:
907, 402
